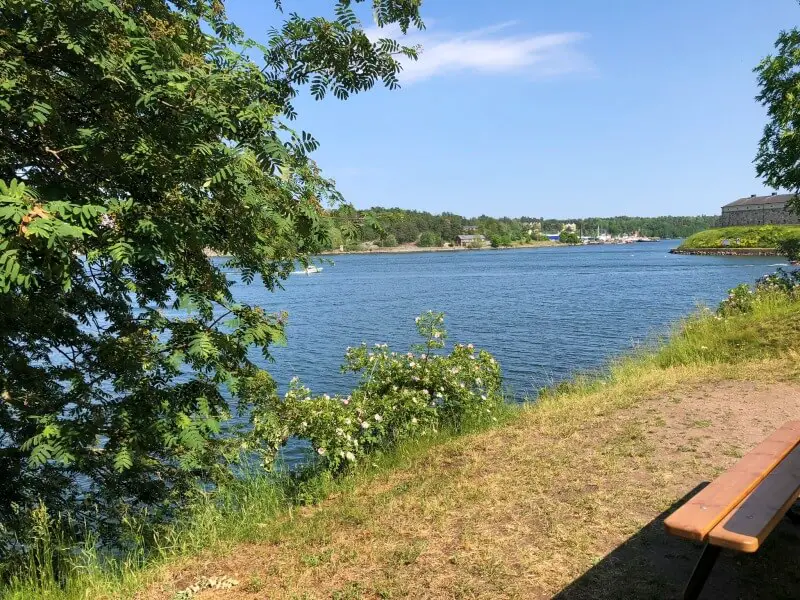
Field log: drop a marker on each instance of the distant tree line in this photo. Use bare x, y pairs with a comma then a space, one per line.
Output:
661, 227
393, 226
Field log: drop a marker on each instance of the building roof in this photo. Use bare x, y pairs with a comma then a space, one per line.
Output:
469, 238
755, 200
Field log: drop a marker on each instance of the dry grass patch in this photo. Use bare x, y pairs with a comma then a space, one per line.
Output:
540, 506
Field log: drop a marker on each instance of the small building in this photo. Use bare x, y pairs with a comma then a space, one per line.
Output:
469, 229
465, 241
759, 210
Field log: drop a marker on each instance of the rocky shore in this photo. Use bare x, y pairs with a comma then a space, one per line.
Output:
726, 251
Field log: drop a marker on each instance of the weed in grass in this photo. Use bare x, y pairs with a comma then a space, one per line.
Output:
254, 585
733, 451
352, 591
315, 560
409, 554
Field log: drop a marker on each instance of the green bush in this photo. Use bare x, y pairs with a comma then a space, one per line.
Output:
500, 241
399, 396
429, 239
388, 242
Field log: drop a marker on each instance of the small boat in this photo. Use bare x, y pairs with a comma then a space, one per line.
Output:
309, 270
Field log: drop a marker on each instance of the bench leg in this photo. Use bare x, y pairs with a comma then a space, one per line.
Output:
701, 572
794, 514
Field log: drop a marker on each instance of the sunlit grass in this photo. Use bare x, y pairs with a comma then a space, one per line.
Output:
756, 236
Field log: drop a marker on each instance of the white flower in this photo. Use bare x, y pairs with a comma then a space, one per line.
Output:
303, 425
423, 356
416, 320
321, 451
437, 335
462, 384
483, 396
347, 422
472, 357
345, 401
339, 431
478, 380
470, 346
364, 425
350, 456
439, 394
426, 392
414, 378
412, 364
414, 420
378, 418
326, 397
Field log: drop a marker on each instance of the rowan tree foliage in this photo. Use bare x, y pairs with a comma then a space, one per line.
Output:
137, 137
778, 158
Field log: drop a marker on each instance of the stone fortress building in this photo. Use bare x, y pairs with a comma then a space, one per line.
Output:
759, 210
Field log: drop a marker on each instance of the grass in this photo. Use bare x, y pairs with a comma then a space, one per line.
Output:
757, 236
531, 506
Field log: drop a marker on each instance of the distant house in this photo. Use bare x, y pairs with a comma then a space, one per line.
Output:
759, 210
465, 241
469, 228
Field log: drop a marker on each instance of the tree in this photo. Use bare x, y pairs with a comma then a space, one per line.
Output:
132, 143
778, 158
569, 237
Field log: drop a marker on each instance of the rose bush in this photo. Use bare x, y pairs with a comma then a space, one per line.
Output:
399, 396
742, 298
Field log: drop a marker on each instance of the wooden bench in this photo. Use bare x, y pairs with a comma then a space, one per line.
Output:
740, 508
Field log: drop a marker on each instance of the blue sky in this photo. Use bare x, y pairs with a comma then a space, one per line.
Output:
558, 109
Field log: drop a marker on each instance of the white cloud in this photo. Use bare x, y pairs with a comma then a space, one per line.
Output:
489, 50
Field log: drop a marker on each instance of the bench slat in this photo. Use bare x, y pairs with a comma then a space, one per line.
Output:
695, 519
748, 525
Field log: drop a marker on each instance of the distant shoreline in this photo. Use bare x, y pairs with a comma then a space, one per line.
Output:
406, 249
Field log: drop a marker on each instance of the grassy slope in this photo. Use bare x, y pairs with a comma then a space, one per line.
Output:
763, 236
551, 500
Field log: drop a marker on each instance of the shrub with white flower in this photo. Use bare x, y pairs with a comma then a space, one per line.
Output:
743, 298
398, 396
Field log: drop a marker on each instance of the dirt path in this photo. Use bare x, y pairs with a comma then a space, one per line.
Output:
548, 506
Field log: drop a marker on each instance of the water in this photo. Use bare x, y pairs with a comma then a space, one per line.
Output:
545, 313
